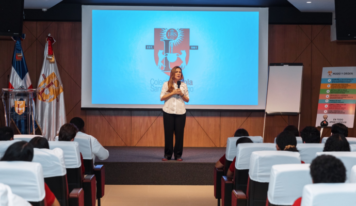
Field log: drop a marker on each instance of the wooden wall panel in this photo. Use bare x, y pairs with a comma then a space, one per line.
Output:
307, 44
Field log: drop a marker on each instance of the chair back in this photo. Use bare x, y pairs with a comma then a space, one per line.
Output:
348, 158
299, 140
308, 151
287, 183
353, 175
353, 147
4, 145
231, 146
85, 148
7, 198
25, 180
351, 140
71, 160
24, 137
329, 194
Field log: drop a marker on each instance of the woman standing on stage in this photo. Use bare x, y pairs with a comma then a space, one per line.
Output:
174, 93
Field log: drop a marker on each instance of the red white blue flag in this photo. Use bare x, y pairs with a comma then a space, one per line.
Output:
19, 78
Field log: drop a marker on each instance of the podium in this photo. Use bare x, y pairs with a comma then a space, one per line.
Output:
19, 109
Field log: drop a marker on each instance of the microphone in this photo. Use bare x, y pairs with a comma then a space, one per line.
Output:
178, 83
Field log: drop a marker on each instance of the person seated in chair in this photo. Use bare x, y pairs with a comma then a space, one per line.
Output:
98, 150
23, 151
39, 142
325, 169
337, 143
310, 135
292, 129
286, 141
239, 133
68, 132
339, 128
6, 133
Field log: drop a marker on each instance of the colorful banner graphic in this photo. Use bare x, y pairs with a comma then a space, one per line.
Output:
337, 97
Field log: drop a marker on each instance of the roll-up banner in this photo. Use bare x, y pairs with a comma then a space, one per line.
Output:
337, 97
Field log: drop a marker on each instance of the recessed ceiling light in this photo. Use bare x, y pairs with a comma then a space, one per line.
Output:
308, 2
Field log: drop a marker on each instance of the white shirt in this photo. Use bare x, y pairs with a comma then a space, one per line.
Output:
96, 148
175, 104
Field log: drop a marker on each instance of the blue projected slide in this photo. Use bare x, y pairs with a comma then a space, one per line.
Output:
134, 50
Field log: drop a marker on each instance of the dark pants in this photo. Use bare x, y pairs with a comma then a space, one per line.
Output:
173, 123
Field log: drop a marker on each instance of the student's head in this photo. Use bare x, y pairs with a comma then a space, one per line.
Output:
285, 139
339, 128
243, 140
19, 151
67, 132
336, 143
6, 133
327, 169
310, 135
39, 142
241, 132
78, 122
292, 129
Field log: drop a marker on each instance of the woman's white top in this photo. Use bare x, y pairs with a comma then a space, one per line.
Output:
175, 104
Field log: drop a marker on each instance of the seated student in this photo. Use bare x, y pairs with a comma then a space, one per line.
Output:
98, 150
39, 142
293, 129
23, 151
337, 143
286, 141
326, 169
6, 133
239, 133
339, 128
310, 135
67, 133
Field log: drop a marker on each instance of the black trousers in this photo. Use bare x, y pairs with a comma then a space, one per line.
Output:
173, 123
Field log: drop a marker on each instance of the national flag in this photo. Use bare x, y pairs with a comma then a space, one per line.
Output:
50, 110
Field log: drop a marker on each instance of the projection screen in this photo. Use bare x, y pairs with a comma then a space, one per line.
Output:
128, 52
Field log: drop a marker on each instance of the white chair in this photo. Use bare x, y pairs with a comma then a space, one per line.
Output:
348, 158
329, 194
353, 147
353, 175
299, 140
351, 140
4, 145
308, 151
7, 198
24, 137
287, 182
231, 146
25, 180
244, 151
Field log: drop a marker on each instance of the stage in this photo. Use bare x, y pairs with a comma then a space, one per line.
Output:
143, 166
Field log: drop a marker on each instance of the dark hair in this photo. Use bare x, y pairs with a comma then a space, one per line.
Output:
327, 169
310, 135
19, 151
6, 133
243, 140
286, 138
241, 132
78, 122
339, 128
337, 142
292, 129
39, 142
67, 132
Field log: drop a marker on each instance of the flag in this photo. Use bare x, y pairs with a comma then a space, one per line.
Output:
20, 79
50, 111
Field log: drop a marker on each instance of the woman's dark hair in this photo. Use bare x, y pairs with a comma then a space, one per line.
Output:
337, 142
19, 151
6, 133
310, 135
241, 132
67, 132
286, 138
327, 169
78, 122
39, 142
339, 128
292, 129
243, 140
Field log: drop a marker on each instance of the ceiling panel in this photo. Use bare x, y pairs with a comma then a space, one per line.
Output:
40, 4
314, 6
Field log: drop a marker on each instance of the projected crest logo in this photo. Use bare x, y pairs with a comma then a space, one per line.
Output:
171, 48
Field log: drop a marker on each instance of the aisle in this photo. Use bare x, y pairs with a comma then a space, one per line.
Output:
158, 195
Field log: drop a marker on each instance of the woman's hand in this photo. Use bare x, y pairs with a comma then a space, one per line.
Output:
179, 92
